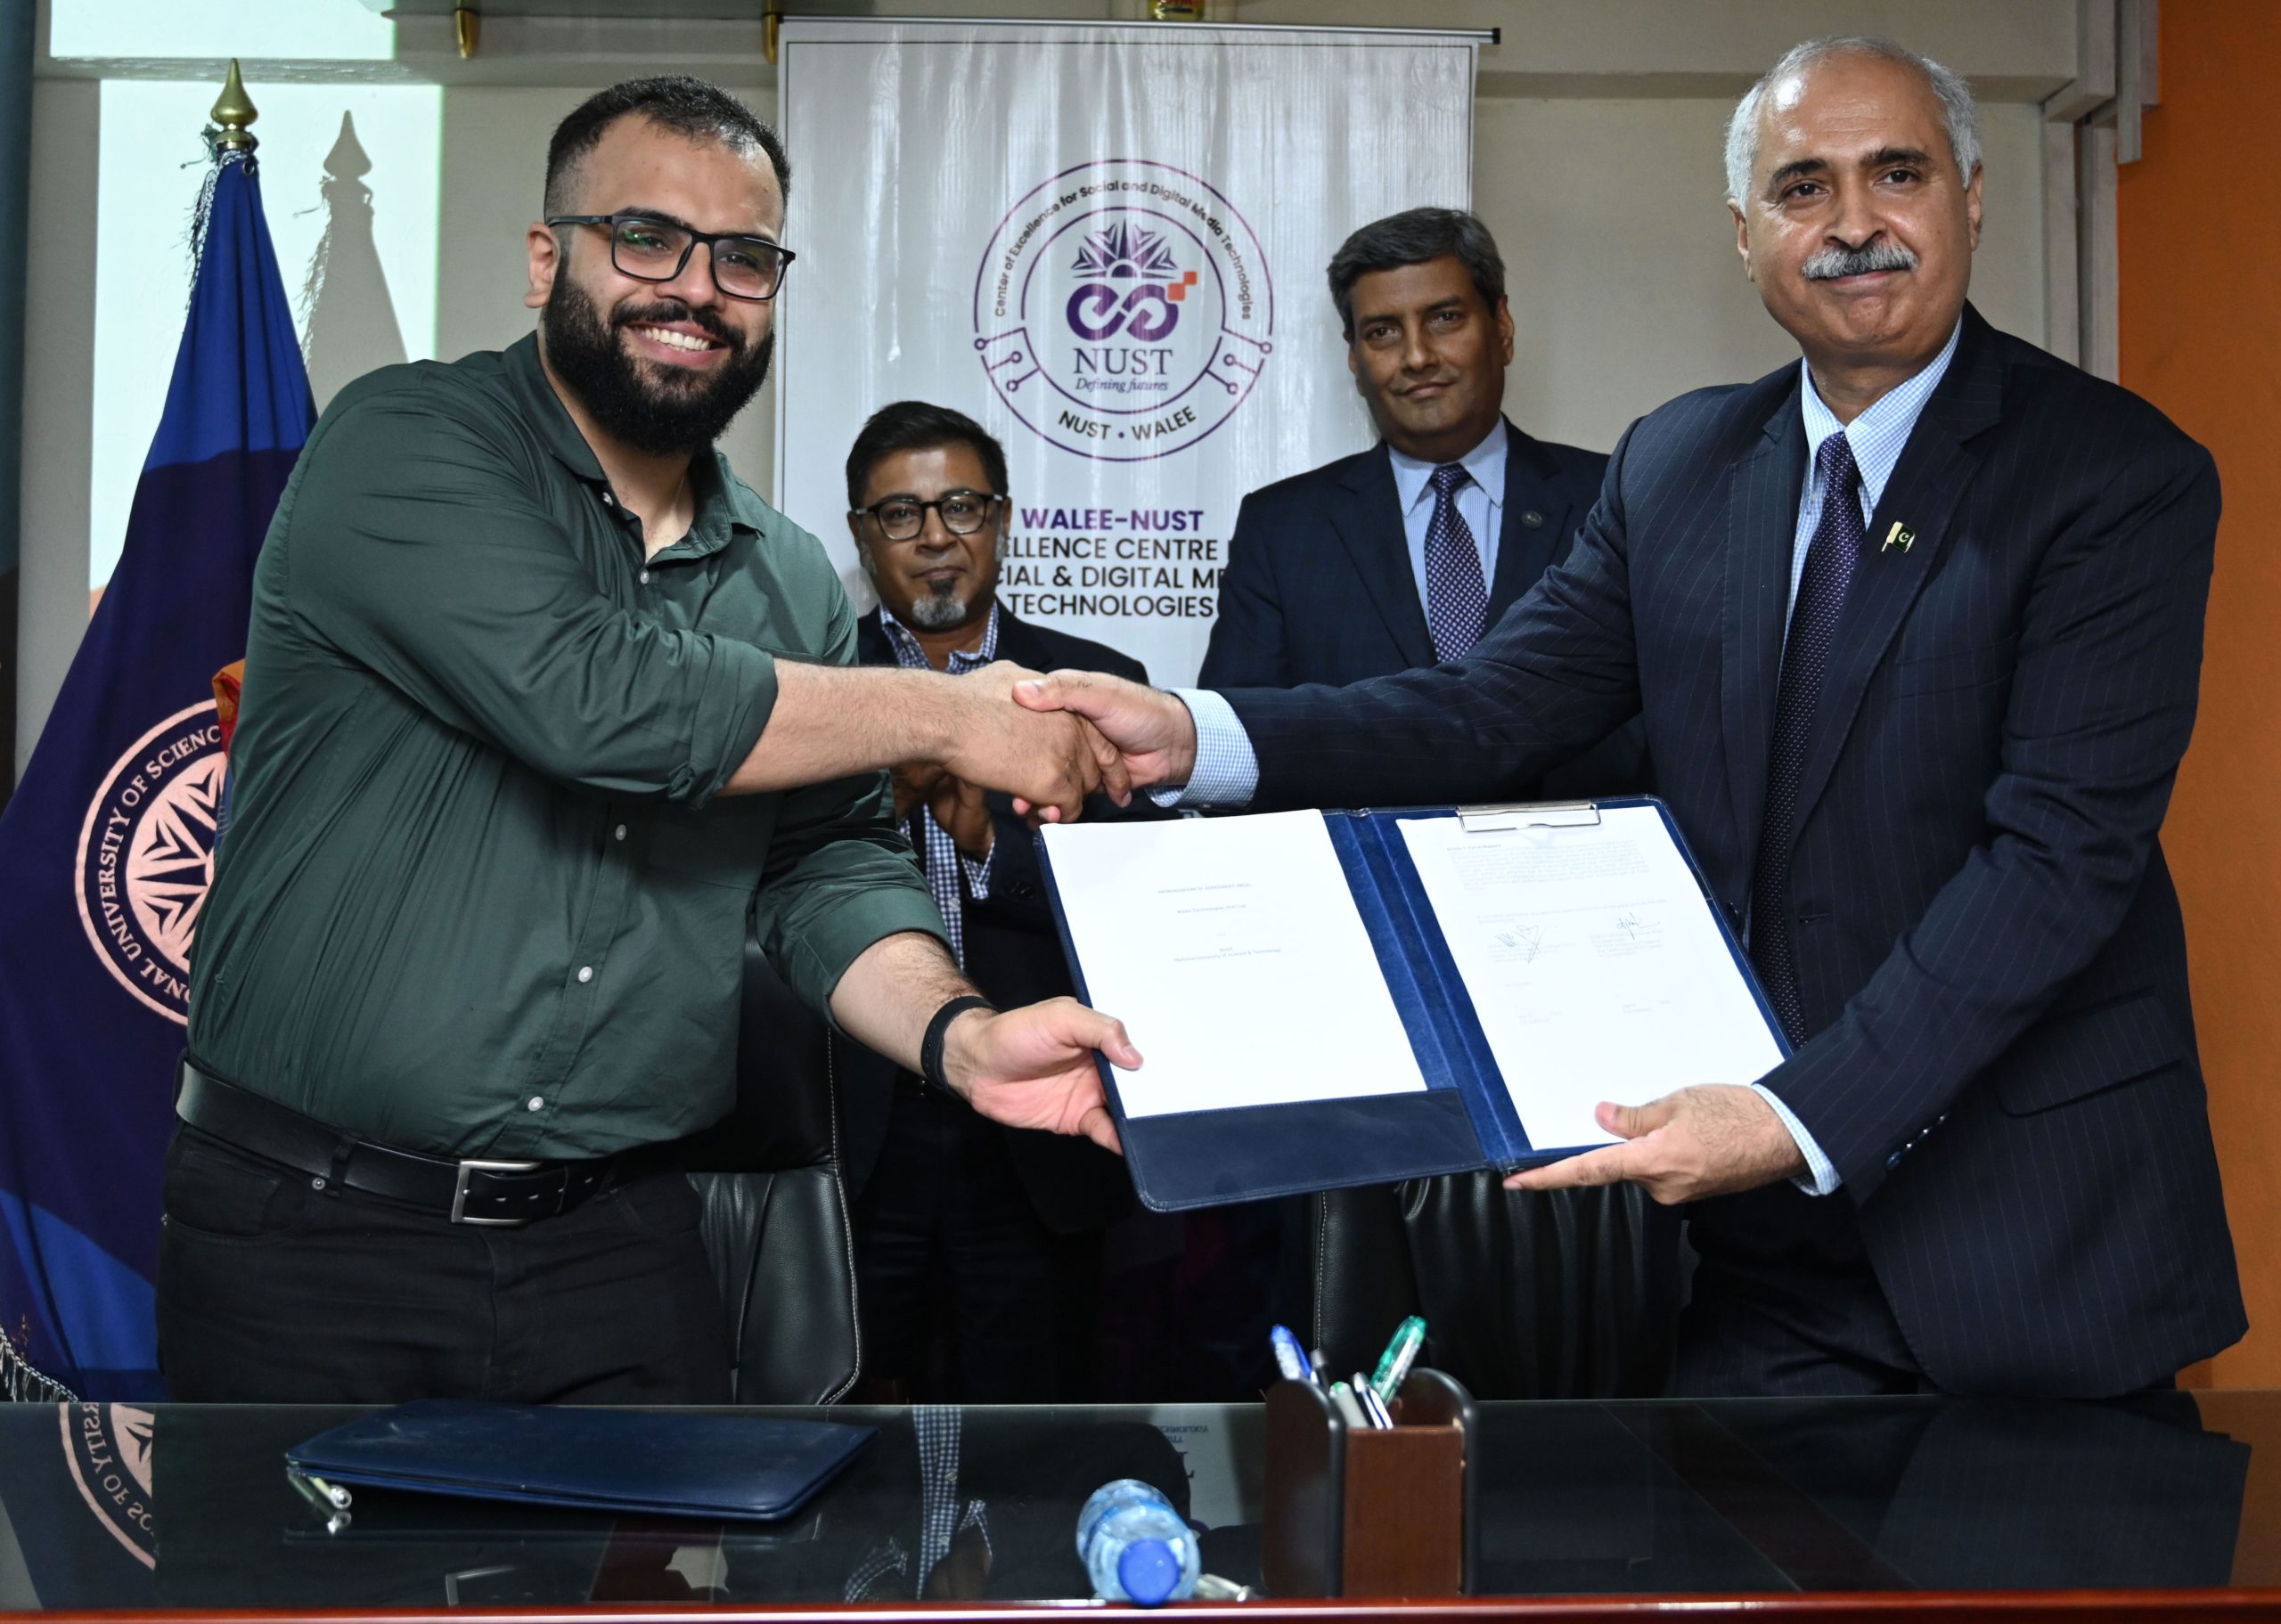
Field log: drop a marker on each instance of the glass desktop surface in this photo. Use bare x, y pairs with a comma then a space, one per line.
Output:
188, 1507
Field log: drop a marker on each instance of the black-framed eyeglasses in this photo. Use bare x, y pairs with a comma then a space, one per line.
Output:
962, 513
649, 249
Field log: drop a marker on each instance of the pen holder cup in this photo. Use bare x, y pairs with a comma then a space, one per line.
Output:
1371, 1512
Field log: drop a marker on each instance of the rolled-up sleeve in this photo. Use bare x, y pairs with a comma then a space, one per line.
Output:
839, 875
419, 549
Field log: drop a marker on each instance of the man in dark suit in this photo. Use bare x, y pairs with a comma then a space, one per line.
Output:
1916, 632
1364, 566
1000, 1228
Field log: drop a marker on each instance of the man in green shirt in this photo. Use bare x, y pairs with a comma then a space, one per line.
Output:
543, 711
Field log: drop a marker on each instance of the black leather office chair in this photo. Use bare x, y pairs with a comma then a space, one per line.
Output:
775, 1221
1524, 1296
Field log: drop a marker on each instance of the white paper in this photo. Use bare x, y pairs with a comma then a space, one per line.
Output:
1232, 949
1594, 964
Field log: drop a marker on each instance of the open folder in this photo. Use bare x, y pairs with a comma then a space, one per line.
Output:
1337, 998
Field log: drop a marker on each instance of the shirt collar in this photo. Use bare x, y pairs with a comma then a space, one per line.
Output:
1879, 435
1485, 462
721, 503
962, 660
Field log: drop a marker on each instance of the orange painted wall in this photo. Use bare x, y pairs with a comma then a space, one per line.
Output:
2200, 237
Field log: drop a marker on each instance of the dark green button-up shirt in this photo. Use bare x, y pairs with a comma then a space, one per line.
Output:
477, 896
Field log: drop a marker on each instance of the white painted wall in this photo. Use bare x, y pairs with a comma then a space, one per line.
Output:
1605, 199
1619, 254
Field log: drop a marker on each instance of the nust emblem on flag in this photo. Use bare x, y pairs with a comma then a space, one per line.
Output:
146, 857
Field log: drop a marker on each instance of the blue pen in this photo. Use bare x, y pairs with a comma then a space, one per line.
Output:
1290, 1358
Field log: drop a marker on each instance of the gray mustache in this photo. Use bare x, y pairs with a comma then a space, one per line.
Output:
1831, 262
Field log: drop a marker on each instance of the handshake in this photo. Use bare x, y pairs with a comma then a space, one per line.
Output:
1051, 741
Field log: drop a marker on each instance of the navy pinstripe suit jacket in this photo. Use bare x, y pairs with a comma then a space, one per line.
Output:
2002, 1065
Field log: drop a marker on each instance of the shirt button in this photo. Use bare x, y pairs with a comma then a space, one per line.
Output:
645, 577
585, 972
619, 833
609, 501
537, 1103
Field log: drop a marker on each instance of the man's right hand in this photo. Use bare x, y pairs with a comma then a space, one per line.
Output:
1047, 761
1150, 729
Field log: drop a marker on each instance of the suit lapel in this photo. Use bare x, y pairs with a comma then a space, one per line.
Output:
1371, 529
1524, 551
1920, 498
1761, 527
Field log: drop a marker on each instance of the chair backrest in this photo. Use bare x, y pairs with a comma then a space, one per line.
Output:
775, 1221
1569, 1295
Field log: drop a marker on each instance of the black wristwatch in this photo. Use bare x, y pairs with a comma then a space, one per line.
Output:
930, 1047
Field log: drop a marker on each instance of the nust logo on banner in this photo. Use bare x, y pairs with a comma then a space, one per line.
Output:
146, 857
1121, 310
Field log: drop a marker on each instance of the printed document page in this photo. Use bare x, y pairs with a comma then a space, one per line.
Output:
1595, 965
1232, 949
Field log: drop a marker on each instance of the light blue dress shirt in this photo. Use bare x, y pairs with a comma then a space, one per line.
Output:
1481, 503
1227, 768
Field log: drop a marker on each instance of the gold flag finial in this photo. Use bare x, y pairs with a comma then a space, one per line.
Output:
232, 112
466, 29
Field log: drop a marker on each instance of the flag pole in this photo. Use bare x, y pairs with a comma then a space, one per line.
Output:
233, 113
17, 50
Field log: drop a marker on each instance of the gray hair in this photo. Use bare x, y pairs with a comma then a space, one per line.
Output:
1957, 109
1411, 238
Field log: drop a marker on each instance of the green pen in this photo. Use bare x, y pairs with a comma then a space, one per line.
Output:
1401, 1352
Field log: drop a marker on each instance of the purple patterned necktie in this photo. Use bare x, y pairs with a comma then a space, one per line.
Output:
1457, 603
1830, 558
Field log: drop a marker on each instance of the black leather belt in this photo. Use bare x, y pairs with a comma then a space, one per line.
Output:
492, 1194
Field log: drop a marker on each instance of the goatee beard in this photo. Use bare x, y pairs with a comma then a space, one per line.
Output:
639, 405
937, 611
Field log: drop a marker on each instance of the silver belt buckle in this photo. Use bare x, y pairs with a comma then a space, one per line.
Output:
458, 1192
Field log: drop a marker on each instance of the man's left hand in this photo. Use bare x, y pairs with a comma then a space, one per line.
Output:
1033, 1067
1715, 1140
962, 814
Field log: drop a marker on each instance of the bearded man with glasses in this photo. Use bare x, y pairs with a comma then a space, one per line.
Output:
544, 711
1003, 1226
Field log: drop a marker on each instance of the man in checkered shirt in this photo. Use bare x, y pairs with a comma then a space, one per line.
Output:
1006, 1226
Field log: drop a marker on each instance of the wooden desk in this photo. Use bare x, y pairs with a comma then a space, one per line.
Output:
2166, 1507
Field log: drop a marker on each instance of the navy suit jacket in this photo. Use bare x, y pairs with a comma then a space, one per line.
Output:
1318, 587
1013, 953
2002, 1064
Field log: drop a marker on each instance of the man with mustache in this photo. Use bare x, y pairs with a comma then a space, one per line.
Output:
1914, 628
544, 712
1004, 1225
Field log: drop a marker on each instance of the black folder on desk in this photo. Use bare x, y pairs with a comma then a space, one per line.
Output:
1464, 1119
650, 1463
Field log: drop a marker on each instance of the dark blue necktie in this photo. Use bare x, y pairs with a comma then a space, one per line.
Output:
1830, 558
1457, 603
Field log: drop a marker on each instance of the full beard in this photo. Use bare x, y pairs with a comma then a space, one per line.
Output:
638, 404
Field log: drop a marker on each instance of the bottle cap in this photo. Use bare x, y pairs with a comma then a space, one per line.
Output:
1149, 1571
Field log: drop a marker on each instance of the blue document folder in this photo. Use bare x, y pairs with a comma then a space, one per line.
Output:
650, 1463
1464, 1119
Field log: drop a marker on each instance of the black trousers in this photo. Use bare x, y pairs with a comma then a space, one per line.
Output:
272, 1291
948, 1244
1784, 1302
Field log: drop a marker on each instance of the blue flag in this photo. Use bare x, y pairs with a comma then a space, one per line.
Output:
107, 845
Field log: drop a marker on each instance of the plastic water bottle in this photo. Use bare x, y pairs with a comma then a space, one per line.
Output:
1135, 1547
